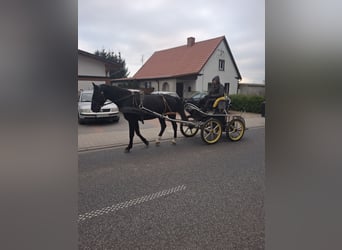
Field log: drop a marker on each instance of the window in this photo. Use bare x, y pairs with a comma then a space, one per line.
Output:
147, 84
165, 86
209, 86
221, 65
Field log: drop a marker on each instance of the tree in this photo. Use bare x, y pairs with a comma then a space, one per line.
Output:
116, 59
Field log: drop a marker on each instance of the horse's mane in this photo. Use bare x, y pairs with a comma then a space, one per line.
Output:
114, 92
115, 89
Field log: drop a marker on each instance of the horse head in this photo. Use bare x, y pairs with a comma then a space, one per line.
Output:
98, 99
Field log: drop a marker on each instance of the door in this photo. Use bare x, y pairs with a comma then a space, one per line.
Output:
179, 88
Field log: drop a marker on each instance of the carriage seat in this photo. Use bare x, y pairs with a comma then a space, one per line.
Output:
221, 103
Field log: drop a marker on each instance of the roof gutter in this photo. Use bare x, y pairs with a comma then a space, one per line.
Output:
154, 78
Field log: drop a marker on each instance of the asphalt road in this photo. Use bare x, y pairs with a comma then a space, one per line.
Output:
185, 196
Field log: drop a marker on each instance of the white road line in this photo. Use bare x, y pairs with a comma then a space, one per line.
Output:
130, 203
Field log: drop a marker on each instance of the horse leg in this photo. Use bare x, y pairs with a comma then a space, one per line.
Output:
137, 131
131, 135
162, 129
174, 125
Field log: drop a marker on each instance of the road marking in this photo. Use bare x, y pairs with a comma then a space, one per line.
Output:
130, 203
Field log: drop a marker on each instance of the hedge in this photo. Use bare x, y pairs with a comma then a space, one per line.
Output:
248, 103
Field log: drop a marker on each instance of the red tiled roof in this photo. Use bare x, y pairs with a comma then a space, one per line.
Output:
179, 61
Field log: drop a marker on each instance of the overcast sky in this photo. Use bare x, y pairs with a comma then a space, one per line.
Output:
137, 28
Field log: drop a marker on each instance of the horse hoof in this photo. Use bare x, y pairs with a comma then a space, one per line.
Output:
157, 143
127, 150
173, 141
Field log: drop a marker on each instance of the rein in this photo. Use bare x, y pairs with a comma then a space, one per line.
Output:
126, 97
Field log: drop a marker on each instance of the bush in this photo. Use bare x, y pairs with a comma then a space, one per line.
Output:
248, 103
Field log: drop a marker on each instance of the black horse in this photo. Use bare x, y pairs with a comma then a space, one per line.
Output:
130, 104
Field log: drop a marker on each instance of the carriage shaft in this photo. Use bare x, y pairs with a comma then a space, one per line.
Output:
170, 119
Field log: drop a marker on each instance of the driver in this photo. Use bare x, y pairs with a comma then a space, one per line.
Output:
216, 90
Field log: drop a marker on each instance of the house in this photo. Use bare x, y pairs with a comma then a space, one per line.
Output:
190, 67
93, 68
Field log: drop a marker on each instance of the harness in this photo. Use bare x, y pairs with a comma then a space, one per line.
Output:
136, 104
167, 109
134, 99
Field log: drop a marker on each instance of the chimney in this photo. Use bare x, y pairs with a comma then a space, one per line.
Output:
191, 41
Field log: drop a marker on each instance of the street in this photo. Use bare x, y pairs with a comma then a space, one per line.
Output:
185, 196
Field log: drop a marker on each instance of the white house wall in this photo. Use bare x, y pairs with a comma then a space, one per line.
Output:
189, 85
154, 84
211, 69
89, 67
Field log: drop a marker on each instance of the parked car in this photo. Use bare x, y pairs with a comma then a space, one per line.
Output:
165, 93
195, 98
109, 111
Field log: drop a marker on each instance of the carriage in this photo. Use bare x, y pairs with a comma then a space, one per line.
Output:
139, 107
213, 124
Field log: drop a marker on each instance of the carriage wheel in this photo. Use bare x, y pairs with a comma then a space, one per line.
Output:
188, 130
235, 129
211, 131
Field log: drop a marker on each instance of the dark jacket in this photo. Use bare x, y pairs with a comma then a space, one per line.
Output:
217, 90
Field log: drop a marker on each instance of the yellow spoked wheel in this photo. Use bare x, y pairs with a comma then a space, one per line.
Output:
235, 129
211, 131
188, 130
